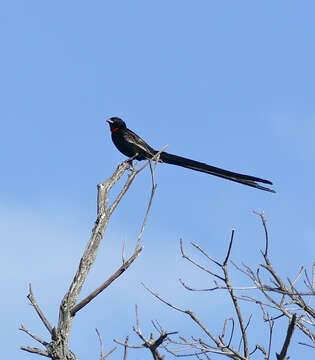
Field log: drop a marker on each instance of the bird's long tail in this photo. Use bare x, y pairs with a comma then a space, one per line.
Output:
202, 167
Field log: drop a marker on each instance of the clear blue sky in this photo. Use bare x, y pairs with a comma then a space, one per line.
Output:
228, 83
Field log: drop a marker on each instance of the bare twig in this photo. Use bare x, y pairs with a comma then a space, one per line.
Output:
33, 302
102, 356
101, 288
185, 256
222, 348
229, 249
149, 343
129, 346
205, 254
43, 342
263, 220
309, 345
108, 353
126, 348
148, 208
234, 298
101, 343
35, 351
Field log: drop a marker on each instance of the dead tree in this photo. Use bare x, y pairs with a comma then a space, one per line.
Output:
275, 297
57, 346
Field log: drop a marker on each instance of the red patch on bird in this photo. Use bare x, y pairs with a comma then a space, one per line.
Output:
115, 130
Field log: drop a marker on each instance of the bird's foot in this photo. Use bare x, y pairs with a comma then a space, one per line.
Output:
130, 162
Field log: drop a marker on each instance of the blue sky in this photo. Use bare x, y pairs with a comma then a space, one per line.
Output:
228, 83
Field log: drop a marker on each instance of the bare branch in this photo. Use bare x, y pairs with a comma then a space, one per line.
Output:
229, 249
101, 344
102, 356
101, 288
41, 315
305, 344
58, 348
126, 348
263, 220
89, 255
185, 256
284, 350
148, 208
22, 328
234, 298
35, 351
137, 251
108, 353
123, 343
271, 324
224, 330
149, 343
297, 277
216, 340
205, 254
123, 191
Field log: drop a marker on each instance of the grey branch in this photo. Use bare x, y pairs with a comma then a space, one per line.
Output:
43, 342
283, 353
221, 347
291, 299
96, 292
102, 355
33, 302
35, 351
149, 343
58, 348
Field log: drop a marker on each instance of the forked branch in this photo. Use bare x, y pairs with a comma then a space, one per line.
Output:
57, 348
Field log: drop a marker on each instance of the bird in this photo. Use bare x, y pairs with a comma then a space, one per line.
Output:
135, 148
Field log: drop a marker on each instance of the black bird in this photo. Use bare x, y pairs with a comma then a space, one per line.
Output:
131, 145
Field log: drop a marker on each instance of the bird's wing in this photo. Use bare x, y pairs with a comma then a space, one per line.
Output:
135, 140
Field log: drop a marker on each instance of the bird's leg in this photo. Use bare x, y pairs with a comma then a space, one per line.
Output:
130, 160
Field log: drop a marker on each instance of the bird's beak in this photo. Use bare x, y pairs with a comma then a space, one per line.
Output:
109, 121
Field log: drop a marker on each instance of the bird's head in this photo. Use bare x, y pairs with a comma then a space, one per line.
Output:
116, 123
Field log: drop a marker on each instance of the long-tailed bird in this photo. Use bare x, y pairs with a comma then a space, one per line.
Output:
131, 145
